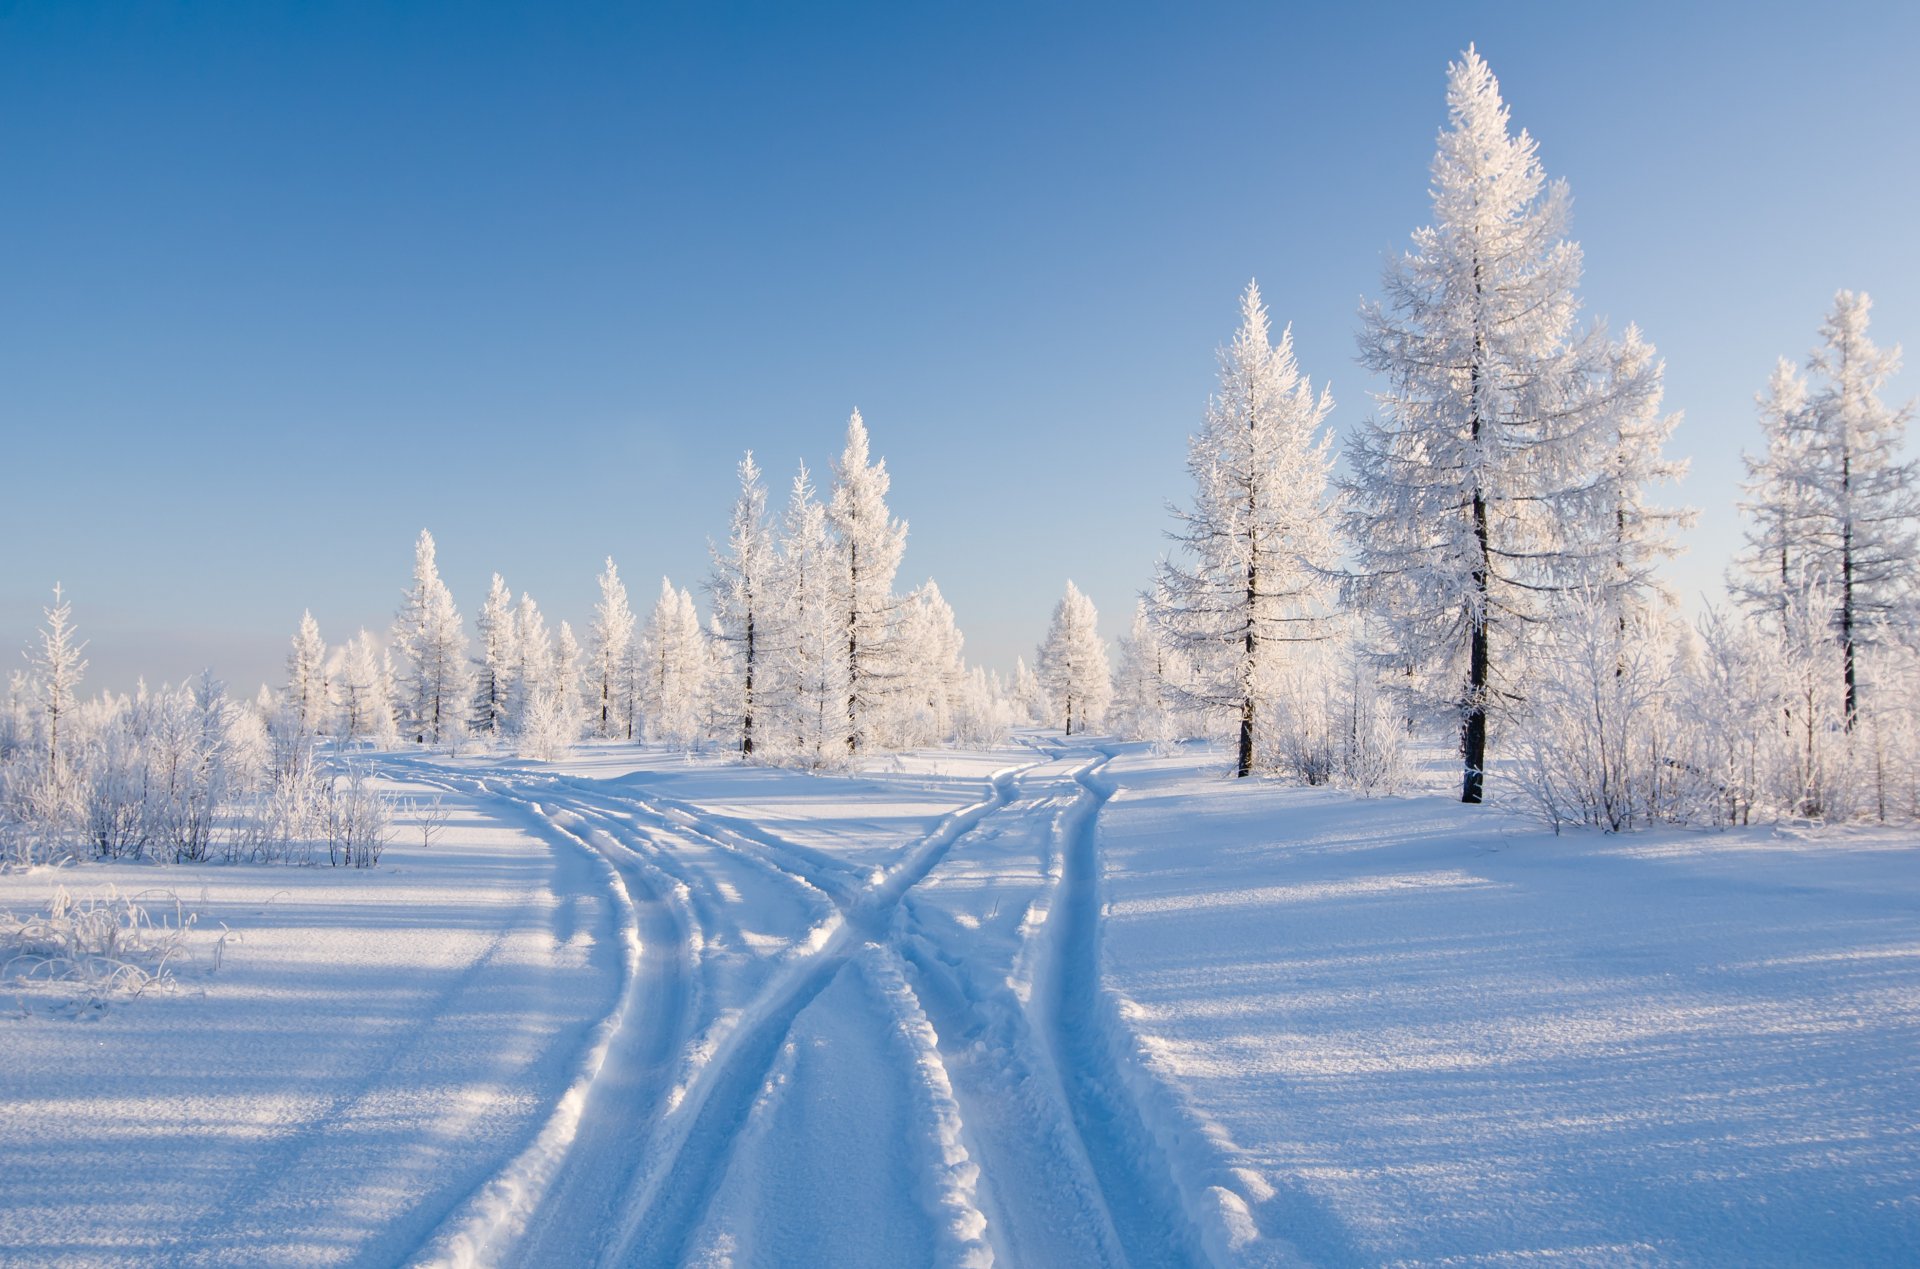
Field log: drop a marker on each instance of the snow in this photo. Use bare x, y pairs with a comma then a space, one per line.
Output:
1064, 1002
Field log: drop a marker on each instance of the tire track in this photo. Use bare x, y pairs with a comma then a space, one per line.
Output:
1142, 1198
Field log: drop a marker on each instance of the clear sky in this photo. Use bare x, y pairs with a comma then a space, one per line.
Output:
284, 283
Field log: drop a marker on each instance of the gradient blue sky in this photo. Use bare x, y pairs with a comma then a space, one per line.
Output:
284, 283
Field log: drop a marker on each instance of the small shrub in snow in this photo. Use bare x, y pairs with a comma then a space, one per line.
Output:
92, 948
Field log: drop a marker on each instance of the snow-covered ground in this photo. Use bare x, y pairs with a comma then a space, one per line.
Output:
1060, 1004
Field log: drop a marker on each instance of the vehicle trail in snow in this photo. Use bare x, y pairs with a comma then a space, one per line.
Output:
1142, 1198
669, 1213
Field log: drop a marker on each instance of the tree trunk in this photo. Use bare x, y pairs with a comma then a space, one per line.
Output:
1474, 737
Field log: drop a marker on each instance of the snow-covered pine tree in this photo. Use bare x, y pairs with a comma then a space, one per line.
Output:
1835, 480
532, 668
741, 589
809, 662
494, 668
932, 669
366, 713
1074, 672
1150, 684
674, 648
868, 544
1629, 536
54, 673
434, 646
1255, 587
611, 638
1773, 567
1468, 493
308, 692
1028, 698
564, 681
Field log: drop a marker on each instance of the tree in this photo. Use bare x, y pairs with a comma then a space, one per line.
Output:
1073, 667
1262, 552
1631, 537
868, 545
1150, 682
532, 669
674, 648
564, 681
740, 587
1469, 492
611, 637
430, 639
54, 674
366, 711
307, 688
497, 663
1832, 503
932, 667
810, 655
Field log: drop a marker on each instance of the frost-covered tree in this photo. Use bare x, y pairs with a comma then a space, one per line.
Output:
1775, 563
1472, 492
308, 692
497, 663
532, 669
674, 648
1073, 671
54, 671
564, 679
741, 586
1253, 589
1150, 685
809, 663
868, 543
611, 637
1629, 537
1029, 699
431, 641
366, 711
1833, 501
933, 670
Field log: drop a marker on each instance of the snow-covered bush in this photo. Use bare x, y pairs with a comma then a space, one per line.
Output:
1590, 734
95, 946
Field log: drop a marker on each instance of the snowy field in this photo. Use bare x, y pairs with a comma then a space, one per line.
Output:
1060, 1004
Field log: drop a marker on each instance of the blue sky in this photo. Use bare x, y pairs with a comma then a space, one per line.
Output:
286, 283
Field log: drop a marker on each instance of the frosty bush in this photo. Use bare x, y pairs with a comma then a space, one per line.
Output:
96, 946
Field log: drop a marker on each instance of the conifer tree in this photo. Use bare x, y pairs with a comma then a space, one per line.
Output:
54, 673
611, 637
1630, 536
741, 588
677, 658
307, 687
868, 544
499, 659
1836, 504
1073, 665
366, 712
532, 672
1256, 585
1473, 492
810, 655
434, 646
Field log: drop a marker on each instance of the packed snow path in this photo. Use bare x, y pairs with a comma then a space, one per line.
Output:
844, 1011
1052, 1005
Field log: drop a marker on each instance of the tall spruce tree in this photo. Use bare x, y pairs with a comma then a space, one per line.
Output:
868, 544
1834, 505
1073, 669
434, 646
1254, 585
611, 636
741, 587
1473, 493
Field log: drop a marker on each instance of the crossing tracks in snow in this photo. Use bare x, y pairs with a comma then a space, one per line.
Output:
863, 1056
